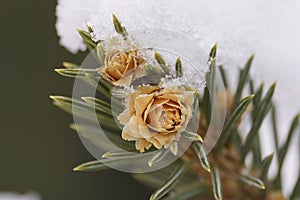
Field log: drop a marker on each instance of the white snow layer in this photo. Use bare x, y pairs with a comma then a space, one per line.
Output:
269, 28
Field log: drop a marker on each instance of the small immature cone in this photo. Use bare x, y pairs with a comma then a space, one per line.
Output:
156, 116
121, 68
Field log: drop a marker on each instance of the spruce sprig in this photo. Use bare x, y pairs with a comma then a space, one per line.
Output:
226, 163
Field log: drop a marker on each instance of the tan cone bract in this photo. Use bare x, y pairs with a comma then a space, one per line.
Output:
156, 116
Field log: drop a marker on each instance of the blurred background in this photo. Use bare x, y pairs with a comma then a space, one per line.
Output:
37, 148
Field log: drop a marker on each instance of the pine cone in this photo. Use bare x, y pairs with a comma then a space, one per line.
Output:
121, 68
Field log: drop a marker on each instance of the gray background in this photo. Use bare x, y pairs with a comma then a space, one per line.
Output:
37, 148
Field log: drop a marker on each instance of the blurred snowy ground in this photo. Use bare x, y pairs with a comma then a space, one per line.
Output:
15, 196
270, 29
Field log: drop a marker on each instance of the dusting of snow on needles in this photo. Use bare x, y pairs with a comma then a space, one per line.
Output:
269, 28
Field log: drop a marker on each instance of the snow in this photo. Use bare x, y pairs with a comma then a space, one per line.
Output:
269, 28
15, 196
